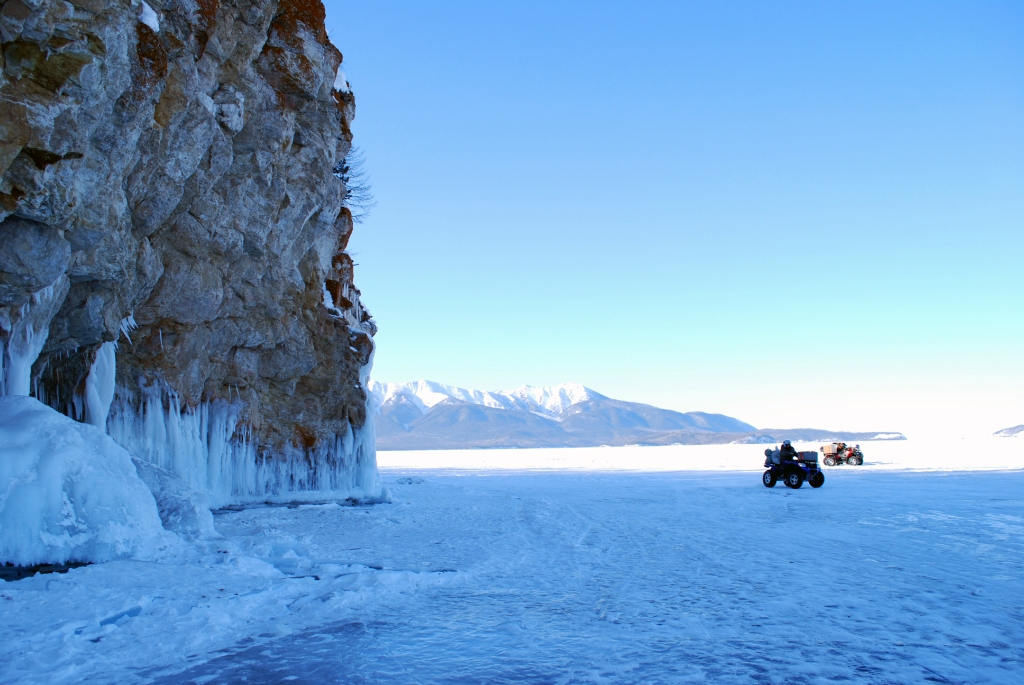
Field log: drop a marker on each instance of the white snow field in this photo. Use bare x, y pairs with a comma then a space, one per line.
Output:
986, 453
569, 573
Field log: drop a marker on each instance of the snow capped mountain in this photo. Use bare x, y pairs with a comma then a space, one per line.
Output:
549, 402
429, 415
555, 400
1010, 432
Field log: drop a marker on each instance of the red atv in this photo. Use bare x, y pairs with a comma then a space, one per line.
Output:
839, 453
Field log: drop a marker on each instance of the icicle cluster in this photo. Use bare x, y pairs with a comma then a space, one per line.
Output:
24, 343
207, 448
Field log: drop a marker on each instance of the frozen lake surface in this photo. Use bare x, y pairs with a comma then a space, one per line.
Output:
564, 576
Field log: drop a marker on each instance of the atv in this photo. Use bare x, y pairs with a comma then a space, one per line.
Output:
792, 472
839, 453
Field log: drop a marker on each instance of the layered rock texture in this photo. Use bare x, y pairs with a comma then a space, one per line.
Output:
170, 165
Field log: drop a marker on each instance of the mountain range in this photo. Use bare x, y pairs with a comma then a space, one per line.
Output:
424, 415
1010, 432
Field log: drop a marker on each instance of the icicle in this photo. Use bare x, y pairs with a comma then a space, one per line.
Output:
369, 477
99, 385
208, 448
25, 343
127, 326
329, 302
210, 451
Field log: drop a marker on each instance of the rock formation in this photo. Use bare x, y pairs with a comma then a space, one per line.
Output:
168, 183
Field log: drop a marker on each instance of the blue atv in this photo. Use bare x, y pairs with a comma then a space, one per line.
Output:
792, 471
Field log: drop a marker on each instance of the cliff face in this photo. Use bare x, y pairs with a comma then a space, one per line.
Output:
172, 161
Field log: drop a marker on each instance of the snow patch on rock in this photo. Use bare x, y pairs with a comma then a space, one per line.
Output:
149, 17
340, 82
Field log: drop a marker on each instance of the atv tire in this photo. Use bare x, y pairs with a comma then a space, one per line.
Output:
830, 461
768, 479
854, 461
816, 479
794, 479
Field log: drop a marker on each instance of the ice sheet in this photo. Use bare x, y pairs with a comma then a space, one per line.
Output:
562, 576
910, 455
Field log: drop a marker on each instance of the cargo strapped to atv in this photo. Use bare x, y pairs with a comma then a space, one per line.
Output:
794, 472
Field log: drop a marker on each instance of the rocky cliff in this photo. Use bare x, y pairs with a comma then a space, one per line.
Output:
168, 183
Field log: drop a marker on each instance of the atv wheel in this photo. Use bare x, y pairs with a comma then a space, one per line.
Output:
794, 479
830, 461
816, 479
768, 479
854, 461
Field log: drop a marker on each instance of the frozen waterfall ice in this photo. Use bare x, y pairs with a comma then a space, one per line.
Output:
209, 446
99, 385
213, 451
27, 335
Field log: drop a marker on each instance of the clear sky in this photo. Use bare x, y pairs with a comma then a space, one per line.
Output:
798, 214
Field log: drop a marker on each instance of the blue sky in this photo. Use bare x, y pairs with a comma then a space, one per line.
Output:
699, 205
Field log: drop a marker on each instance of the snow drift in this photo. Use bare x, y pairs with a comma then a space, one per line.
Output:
69, 492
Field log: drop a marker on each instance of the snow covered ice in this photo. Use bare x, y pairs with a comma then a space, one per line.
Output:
895, 573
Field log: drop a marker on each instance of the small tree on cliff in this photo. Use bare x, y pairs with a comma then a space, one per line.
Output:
358, 193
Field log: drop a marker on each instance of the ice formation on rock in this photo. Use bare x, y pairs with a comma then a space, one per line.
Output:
99, 385
26, 337
208, 448
183, 510
70, 493
177, 187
